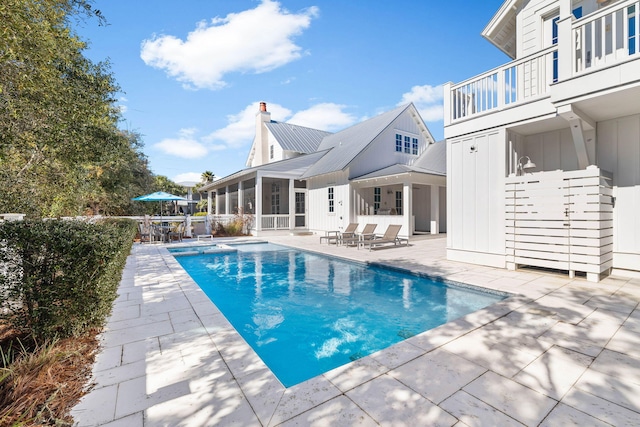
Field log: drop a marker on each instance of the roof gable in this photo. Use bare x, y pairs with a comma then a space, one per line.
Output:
501, 30
346, 145
433, 161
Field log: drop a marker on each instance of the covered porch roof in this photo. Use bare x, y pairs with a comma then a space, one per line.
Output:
398, 174
290, 168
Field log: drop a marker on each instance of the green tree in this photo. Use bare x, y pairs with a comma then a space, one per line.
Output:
207, 176
61, 152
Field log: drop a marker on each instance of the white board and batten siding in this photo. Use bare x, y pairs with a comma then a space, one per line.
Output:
320, 219
533, 35
618, 150
476, 170
560, 220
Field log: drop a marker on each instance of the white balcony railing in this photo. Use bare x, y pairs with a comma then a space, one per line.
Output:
608, 36
275, 222
519, 81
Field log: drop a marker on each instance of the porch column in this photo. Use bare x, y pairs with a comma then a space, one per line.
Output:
407, 208
210, 202
258, 202
435, 209
227, 200
217, 202
292, 205
240, 198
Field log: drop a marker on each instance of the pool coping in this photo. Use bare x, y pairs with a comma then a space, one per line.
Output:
260, 399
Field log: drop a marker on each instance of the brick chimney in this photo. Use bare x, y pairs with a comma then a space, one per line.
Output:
260, 149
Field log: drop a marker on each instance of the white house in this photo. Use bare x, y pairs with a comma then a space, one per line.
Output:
543, 153
385, 170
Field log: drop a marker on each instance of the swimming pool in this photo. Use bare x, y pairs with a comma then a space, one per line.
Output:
305, 314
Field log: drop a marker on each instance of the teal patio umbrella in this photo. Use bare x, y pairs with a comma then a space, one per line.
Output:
158, 196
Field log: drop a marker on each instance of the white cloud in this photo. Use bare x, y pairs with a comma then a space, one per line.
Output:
428, 101
241, 127
325, 116
185, 146
123, 108
188, 177
255, 41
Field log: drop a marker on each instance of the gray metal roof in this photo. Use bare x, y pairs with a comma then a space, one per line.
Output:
293, 168
433, 161
347, 144
296, 138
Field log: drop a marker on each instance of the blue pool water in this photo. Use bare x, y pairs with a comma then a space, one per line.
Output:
305, 314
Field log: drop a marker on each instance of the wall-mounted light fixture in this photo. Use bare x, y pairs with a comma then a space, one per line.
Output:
473, 148
528, 165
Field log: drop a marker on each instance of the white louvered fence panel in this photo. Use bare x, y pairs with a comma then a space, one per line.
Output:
560, 220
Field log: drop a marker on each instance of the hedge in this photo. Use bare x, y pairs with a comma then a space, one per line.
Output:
60, 278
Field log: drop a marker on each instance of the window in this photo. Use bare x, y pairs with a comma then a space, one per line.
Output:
554, 41
330, 196
398, 142
633, 37
399, 202
271, 151
275, 198
406, 144
376, 200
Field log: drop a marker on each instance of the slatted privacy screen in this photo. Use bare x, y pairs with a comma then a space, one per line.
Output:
560, 220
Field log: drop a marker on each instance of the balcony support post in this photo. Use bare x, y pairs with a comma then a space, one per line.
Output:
566, 44
578, 121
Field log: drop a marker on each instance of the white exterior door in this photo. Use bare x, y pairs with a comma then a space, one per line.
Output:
301, 209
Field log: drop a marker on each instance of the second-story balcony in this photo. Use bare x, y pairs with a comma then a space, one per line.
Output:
599, 41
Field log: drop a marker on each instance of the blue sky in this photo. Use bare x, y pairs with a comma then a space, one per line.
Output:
192, 72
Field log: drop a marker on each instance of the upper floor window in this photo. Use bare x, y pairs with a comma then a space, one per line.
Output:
271, 151
406, 144
331, 200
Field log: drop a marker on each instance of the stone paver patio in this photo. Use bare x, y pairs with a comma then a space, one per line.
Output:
560, 351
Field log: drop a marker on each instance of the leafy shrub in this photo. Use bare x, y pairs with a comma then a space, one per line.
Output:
200, 214
59, 278
233, 228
